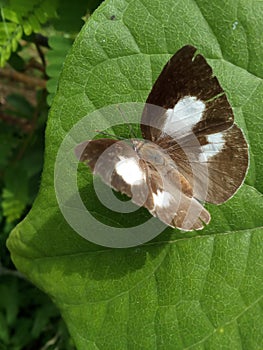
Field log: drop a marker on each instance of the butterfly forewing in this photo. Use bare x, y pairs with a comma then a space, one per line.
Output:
197, 128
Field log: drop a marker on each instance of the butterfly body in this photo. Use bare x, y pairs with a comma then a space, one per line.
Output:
191, 151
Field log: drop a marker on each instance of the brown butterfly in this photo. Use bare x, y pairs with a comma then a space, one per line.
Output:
191, 152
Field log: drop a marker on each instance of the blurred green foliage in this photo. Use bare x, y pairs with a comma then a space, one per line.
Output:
35, 37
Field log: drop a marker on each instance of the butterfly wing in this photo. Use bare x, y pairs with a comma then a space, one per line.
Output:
170, 195
117, 164
193, 97
156, 187
195, 125
214, 164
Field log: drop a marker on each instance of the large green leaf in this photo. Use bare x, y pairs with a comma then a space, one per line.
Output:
181, 290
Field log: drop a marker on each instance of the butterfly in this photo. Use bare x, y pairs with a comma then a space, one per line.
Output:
192, 152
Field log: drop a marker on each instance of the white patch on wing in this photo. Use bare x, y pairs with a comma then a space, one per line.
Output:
129, 170
162, 199
184, 116
215, 145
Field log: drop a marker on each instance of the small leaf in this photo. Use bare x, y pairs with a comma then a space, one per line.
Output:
13, 207
56, 56
9, 301
23, 18
4, 333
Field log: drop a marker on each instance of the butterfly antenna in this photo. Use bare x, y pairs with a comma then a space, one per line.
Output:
130, 127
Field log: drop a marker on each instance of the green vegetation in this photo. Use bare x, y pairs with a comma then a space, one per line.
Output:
200, 290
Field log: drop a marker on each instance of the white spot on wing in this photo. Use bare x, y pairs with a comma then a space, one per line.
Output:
162, 199
129, 170
184, 116
215, 144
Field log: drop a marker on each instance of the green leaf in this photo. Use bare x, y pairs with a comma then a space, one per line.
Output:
10, 34
9, 301
70, 16
55, 57
13, 206
182, 290
4, 334
22, 16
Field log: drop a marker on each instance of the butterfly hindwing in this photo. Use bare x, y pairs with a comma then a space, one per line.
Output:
154, 185
114, 161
